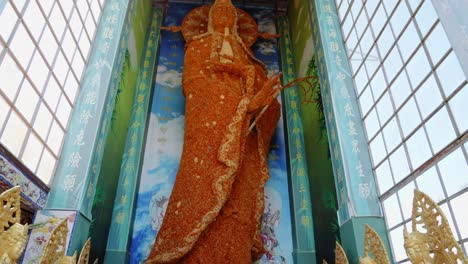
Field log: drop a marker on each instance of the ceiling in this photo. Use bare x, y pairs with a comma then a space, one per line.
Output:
279, 5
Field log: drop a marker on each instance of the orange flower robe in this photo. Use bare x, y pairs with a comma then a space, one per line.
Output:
214, 211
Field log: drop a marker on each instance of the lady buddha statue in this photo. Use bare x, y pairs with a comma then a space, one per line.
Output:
214, 211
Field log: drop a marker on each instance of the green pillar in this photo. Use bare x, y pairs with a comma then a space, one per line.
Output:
73, 187
119, 239
303, 227
354, 177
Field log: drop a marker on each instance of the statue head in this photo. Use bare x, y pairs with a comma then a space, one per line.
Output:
222, 15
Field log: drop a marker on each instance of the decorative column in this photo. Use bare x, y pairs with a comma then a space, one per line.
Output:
118, 243
73, 187
452, 15
303, 234
354, 178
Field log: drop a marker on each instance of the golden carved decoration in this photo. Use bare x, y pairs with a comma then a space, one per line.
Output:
374, 246
67, 259
13, 235
431, 234
84, 255
55, 247
340, 255
10, 211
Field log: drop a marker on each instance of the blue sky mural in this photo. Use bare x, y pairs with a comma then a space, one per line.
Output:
165, 139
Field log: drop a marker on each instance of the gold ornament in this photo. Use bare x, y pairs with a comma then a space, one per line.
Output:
417, 247
67, 259
13, 235
374, 246
340, 255
55, 247
431, 233
84, 255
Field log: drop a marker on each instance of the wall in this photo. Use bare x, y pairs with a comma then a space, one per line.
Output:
110, 170
320, 171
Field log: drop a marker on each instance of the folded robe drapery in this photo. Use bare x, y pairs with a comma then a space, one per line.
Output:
214, 211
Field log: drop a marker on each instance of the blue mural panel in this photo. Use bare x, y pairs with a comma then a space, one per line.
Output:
165, 139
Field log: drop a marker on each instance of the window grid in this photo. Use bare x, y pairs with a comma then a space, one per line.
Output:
52, 84
381, 74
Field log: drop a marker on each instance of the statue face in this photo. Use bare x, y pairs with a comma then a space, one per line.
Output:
222, 16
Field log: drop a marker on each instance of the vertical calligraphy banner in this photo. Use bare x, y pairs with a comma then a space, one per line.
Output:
354, 177
74, 182
164, 140
304, 243
118, 242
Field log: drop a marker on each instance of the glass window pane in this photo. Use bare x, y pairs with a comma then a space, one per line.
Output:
34, 19
399, 164
418, 67
52, 94
379, 19
371, 123
4, 109
396, 237
84, 43
450, 74
461, 214
400, 89
378, 83
385, 108
392, 211
400, 18
61, 68
71, 88
10, 77
43, 121
48, 45
78, 65
385, 41
428, 97
22, 46
426, 17
57, 21
459, 108
418, 148
66, 6
89, 24
366, 101
14, 133
406, 194
377, 148
38, 71
55, 138
46, 167
32, 152
429, 183
437, 44
27, 100
361, 80
392, 134
75, 23
409, 117
409, 41
384, 177
63, 111
8, 19
393, 64
372, 61
69, 45
454, 171
440, 130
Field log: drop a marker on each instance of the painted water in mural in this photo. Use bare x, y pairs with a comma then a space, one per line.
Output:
164, 147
